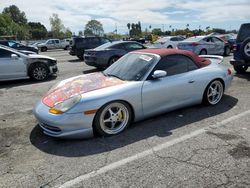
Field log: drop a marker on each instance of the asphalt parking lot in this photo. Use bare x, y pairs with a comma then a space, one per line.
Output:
199, 146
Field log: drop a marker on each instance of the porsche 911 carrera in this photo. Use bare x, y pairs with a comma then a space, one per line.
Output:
139, 85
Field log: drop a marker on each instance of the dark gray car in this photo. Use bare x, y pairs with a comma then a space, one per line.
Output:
106, 54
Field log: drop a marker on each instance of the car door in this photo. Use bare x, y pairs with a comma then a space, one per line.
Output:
209, 45
219, 45
51, 44
11, 67
176, 90
131, 46
57, 44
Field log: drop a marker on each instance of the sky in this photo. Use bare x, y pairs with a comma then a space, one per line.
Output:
226, 14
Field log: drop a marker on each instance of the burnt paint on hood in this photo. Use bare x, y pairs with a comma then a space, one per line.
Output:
79, 85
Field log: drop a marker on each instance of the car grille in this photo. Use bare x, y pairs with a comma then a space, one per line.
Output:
49, 127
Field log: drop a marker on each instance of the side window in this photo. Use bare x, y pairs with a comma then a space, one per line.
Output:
174, 39
176, 64
95, 40
13, 44
133, 46
118, 46
57, 41
50, 42
207, 39
5, 53
216, 40
103, 40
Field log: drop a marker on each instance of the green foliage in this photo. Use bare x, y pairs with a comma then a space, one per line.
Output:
157, 31
15, 14
93, 27
135, 30
37, 30
57, 28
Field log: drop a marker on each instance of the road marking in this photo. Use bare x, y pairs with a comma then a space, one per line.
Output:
148, 152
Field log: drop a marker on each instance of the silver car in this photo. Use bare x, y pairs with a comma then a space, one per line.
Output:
21, 65
203, 45
141, 84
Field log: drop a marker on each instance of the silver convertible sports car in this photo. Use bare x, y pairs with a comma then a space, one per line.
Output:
141, 84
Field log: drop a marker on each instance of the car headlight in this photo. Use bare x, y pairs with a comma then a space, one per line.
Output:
64, 106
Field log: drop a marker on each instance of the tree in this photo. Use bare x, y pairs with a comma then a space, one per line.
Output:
128, 25
15, 14
93, 27
157, 31
57, 28
37, 30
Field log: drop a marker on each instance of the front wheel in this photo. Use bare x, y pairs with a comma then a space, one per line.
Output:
203, 52
39, 72
113, 118
241, 69
113, 60
213, 93
80, 57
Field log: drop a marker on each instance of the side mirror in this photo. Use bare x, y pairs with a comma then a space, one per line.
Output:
159, 74
14, 56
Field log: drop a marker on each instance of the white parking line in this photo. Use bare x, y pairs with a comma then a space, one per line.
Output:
148, 152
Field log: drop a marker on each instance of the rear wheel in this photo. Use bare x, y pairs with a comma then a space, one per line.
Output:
170, 47
44, 49
240, 68
227, 51
80, 57
113, 118
113, 60
203, 52
213, 93
39, 72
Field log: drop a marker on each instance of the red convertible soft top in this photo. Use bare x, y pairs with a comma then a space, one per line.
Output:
201, 62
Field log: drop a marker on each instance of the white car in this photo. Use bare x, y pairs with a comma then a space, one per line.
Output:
167, 42
18, 65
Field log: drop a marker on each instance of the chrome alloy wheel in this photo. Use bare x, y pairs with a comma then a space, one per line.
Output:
114, 118
39, 73
215, 92
247, 49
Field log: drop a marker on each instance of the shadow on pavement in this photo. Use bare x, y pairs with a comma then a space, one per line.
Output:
160, 126
90, 71
245, 76
15, 83
75, 60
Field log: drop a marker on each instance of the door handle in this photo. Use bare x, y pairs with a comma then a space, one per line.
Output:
191, 81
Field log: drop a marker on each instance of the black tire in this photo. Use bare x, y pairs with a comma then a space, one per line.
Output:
44, 49
241, 69
203, 52
216, 97
39, 72
80, 57
66, 48
245, 44
170, 47
112, 60
112, 120
227, 51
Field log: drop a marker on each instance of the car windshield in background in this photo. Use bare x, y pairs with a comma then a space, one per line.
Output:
131, 67
195, 39
104, 46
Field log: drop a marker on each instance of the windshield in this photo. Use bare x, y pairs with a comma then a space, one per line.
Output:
131, 67
194, 39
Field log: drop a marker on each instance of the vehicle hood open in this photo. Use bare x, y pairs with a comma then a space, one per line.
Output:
79, 85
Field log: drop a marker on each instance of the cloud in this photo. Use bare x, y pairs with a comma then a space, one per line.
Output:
75, 14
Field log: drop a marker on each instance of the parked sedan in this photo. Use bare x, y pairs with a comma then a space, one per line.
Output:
167, 42
204, 45
17, 65
19, 46
106, 54
139, 85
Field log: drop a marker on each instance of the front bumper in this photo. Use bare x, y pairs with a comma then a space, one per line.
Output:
53, 69
96, 62
66, 125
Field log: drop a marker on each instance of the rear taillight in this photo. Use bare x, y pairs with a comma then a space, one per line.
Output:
229, 72
194, 44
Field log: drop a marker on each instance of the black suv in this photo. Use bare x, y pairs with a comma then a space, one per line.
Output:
241, 59
80, 44
18, 46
